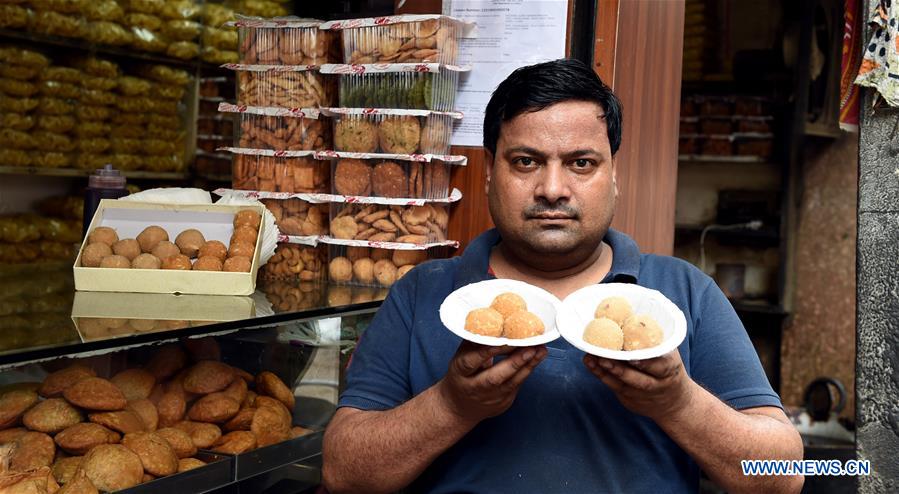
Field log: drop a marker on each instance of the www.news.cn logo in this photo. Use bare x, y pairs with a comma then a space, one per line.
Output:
806, 467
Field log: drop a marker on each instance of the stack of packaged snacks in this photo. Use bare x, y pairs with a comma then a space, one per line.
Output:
214, 129
733, 128
59, 94
19, 79
59, 17
181, 27
219, 41
13, 15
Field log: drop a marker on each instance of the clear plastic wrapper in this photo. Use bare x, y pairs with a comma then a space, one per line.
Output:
378, 177
280, 174
108, 33
13, 16
17, 105
431, 90
280, 129
99, 83
128, 131
182, 29
181, 9
223, 39
185, 50
222, 125
98, 67
392, 131
61, 6
20, 72
97, 97
146, 40
171, 163
14, 157
56, 24
91, 161
21, 56
61, 74
50, 159
169, 121
86, 129
133, 103
407, 224
93, 112
145, 6
51, 140
285, 42
400, 39
56, 89
104, 10
158, 147
16, 139
134, 86
371, 266
263, 8
59, 124
55, 106
217, 56
162, 106
17, 88
296, 262
121, 145
169, 134
142, 20
166, 74
127, 162
168, 91
297, 217
284, 86
95, 145
215, 15
16, 121
129, 119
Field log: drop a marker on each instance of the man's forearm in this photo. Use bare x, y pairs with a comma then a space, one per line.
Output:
718, 437
385, 451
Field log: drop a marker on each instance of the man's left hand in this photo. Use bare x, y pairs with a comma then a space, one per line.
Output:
656, 388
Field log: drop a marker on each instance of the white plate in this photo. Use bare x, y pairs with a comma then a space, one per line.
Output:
578, 309
458, 304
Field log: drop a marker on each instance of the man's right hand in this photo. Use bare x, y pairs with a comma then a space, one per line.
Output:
474, 388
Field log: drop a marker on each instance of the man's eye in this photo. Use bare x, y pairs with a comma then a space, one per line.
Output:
523, 161
582, 163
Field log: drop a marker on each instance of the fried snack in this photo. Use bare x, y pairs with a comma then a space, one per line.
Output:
402, 270
242, 374
237, 264
14, 404
358, 135
180, 441
80, 438
241, 249
267, 383
363, 270
190, 241
10, 435
617, 309
641, 331
269, 426
208, 263
64, 469
32, 450
389, 180
604, 333
165, 249
249, 218
242, 421
178, 262
51, 416
214, 407
485, 321
93, 254
112, 467
522, 324
134, 383
167, 361
340, 269
156, 455
79, 483
237, 390
235, 442
186, 464
202, 434
508, 303
128, 247
151, 236
122, 421
399, 135
208, 376
171, 408
146, 261
94, 393
146, 410
103, 234
115, 262
250, 400
214, 248
244, 234
385, 272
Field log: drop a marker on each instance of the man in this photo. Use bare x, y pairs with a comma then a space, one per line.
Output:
425, 411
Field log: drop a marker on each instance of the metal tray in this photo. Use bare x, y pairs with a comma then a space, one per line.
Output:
262, 460
218, 472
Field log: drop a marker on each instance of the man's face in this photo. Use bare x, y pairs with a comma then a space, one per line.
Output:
551, 187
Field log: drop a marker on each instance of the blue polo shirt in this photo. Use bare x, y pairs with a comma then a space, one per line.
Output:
566, 431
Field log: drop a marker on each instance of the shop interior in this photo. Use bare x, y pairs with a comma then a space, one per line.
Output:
759, 191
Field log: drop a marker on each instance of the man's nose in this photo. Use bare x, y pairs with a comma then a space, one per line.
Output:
553, 184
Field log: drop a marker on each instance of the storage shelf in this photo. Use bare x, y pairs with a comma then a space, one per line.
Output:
765, 235
75, 172
706, 159
764, 308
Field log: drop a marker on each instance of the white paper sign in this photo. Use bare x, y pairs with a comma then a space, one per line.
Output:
509, 34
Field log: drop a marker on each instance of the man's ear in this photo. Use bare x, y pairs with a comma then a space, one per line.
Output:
488, 170
615, 176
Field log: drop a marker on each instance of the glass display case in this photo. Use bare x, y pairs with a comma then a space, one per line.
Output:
298, 334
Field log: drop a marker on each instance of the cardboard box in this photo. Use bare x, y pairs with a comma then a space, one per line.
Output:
130, 218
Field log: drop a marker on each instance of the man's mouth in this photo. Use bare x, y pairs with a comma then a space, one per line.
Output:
552, 216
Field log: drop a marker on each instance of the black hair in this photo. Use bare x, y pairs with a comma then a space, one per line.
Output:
535, 87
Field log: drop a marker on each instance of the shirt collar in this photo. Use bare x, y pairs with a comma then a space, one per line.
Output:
475, 261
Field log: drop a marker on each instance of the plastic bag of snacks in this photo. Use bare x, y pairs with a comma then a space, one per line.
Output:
108, 33
17, 105
15, 87
61, 74
181, 9
147, 40
165, 74
21, 72
145, 6
216, 56
19, 56
16, 121
56, 24
98, 67
184, 50
13, 16
104, 10
15, 157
